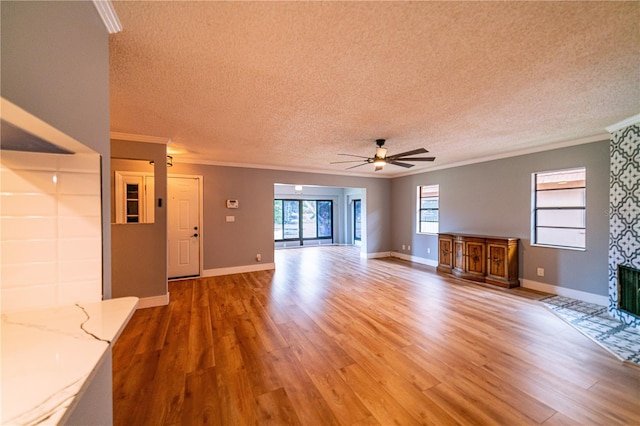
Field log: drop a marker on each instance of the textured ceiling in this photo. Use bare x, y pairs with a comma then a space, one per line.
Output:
292, 84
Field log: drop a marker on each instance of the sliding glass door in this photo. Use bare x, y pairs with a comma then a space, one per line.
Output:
302, 220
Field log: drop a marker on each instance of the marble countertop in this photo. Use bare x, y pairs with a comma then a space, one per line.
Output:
48, 355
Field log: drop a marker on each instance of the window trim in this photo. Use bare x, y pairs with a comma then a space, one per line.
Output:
419, 210
535, 209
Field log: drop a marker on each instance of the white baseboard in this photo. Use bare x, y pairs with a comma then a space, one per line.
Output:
415, 259
375, 255
153, 301
238, 269
567, 292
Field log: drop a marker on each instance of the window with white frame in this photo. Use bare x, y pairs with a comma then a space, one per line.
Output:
559, 208
428, 209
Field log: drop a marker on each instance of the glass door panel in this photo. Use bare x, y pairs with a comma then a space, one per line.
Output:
278, 229
325, 219
309, 229
291, 211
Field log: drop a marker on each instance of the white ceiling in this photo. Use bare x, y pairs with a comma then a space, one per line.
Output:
292, 84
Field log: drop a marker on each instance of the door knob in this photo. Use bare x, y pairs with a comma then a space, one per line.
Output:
195, 235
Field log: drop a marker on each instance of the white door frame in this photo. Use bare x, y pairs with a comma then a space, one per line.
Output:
200, 217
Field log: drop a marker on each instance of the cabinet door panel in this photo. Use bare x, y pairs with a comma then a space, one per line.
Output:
497, 261
446, 253
458, 260
475, 258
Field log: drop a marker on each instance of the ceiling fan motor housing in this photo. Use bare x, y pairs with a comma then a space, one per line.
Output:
381, 152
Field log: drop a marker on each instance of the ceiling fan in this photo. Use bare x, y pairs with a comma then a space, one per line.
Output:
381, 158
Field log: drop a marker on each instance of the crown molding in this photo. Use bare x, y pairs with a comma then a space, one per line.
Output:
138, 138
205, 162
276, 168
540, 148
547, 147
624, 123
108, 15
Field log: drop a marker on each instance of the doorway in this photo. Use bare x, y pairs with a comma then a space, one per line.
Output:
184, 228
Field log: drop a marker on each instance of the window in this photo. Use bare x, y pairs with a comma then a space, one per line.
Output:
309, 219
291, 219
278, 227
325, 214
357, 220
302, 220
428, 208
559, 203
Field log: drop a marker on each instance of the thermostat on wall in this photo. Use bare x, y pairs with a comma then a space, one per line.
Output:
232, 204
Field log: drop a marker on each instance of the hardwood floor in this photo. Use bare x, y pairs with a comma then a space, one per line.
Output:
329, 338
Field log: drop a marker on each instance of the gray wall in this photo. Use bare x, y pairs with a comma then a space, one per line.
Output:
236, 244
139, 251
55, 64
494, 198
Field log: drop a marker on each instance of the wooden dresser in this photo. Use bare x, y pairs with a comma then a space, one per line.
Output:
481, 258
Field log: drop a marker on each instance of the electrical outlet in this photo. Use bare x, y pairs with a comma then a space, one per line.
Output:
540, 272
428, 250
404, 247
258, 257
408, 247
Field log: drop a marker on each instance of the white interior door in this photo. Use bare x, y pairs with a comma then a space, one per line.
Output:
184, 226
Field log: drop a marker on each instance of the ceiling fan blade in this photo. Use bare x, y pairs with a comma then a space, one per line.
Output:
417, 159
353, 167
397, 163
404, 154
350, 161
351, 155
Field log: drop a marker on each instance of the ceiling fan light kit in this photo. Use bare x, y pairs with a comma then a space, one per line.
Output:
380, 158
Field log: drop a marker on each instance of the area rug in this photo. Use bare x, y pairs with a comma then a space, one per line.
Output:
593, 321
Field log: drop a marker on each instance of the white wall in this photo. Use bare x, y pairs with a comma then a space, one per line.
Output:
50, 229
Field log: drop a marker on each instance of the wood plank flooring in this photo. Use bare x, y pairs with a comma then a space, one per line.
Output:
329, 338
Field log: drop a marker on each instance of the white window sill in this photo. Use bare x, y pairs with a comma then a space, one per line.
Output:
560, 247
